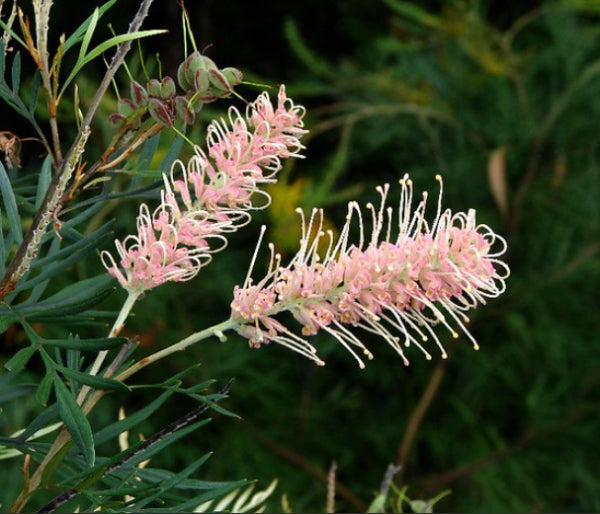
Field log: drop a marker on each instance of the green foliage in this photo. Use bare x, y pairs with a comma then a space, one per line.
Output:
55, 215
503, 104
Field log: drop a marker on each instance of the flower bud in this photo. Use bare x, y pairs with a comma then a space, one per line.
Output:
218, 80
206, 98
182, 79
167, 88
184, 111
220, 93
116, 120
139, 95
154, 88
186, 74
232, 75
201, 81
192, 63
160, 112
125, 107
208, 63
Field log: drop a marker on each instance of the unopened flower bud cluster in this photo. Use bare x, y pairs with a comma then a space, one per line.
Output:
200, 79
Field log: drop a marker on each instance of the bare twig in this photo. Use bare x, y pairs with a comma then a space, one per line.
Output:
330, 505
41, 10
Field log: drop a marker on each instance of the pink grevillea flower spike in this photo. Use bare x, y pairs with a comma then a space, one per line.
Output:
397, 287
211, 196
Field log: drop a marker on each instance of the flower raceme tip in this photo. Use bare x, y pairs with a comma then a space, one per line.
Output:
210, 196
424, 275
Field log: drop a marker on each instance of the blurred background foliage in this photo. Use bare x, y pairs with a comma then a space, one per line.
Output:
502, 100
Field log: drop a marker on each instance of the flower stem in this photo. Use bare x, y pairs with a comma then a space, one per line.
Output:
114, 331
216, 330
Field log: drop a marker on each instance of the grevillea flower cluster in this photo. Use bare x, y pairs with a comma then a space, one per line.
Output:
211, 196
397, 287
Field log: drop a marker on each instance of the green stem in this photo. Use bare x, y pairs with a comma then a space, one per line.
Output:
114, 331
216, 330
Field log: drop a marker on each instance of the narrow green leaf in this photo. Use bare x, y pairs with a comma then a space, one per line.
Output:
178, 377
20, 359
192, 503
47, 417
216, 407
99, 498
116, 40
43, 391
102, 47
199, 387
34, 90
172, 154
413, 13
65, 311
12, 392
43, 182
166, 441
81, 289
74, 360
14, 36
33, 336
16, 73
148, 151
154, 475
2, 253
62, 310
2, 54
38, 289
75, 421
48, 362
82, 29
55, 463
132, 420
15, 102
10, 204
6, 320
94, 205
85, 345
170, 483
93, 380
85, 43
